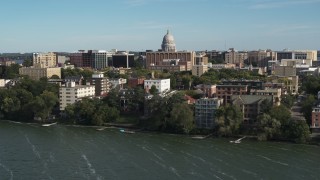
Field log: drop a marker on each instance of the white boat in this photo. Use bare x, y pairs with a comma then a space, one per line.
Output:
101, 129
47, 125
238, 140
126, 131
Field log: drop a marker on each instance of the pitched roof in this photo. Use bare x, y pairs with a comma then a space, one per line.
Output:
250, 99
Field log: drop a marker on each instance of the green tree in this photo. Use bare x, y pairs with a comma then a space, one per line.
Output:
157, 113
181, 118
86, 108
11, 72
280, 113
298, 131
287, 100
10, 104
153, 90
37, 108
268, 127
112, 99
266, 106
43, 105
228, 120
27, 63
311, 84
23, 95
306, 109
54, 77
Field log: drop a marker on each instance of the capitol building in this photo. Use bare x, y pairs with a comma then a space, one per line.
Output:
168, 44
168, 58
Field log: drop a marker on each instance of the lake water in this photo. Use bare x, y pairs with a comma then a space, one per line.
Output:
29, 151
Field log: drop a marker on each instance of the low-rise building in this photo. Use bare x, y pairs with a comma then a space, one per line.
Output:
198, 70
290, 84
189, 99
285, 71
134, 82
71, 93
250, 105
315, 119
226, 91
252, 84
275, 93
37, 73
162, 85
78, 80
276, 86
117, 82
207, 89
222, 66
205, 109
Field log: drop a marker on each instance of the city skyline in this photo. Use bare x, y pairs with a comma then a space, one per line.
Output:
138, 25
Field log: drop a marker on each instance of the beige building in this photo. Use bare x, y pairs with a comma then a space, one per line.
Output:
222, 66
37, 73
44, 60
72, 93
297, 54
285, 71
198, 70
7, 63
235, 57
200, 60
310, 54
275, 93
290, 83
261, 57
296, 62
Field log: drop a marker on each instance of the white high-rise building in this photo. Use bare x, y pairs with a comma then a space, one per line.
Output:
72, 93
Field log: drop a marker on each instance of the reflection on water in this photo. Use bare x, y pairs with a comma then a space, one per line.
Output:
29, 151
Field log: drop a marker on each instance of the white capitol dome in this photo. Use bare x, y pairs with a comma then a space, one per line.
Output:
168, 43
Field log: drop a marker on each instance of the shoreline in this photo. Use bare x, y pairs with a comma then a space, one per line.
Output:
134, 129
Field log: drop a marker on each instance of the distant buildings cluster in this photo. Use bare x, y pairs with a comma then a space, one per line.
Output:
283, 67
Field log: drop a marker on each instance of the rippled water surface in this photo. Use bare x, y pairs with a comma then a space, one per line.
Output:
29, 151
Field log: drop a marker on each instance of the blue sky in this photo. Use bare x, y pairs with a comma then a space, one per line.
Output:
69, 25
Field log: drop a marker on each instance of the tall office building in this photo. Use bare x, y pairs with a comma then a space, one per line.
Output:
44, 60
297, 54
236, 57
95, 59
261, 57
122, 59
100, 59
